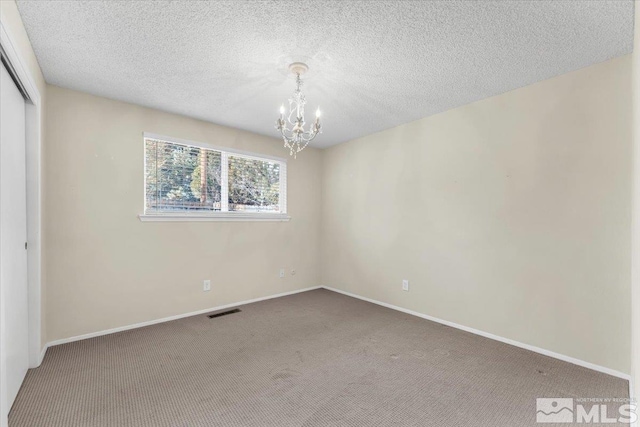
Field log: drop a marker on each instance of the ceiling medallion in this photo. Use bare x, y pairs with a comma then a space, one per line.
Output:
296, 138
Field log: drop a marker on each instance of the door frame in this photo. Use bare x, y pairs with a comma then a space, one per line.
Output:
33, 148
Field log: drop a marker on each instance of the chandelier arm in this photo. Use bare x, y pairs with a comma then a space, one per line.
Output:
305, 136
287, 134
291, 110
311, 137
313, 132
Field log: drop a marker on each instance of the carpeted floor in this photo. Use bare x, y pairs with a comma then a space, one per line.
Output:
312, 359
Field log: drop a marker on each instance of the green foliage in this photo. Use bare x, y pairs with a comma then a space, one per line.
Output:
253, 183
174, 179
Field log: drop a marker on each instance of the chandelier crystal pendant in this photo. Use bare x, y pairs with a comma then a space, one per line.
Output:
291, 127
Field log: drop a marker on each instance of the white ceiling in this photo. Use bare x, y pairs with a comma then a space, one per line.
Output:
374, 64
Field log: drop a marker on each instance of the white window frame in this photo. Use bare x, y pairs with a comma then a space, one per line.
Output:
219, 216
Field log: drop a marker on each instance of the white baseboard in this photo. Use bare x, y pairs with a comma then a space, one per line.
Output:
539, 350
44, 351
170, 318
555, 355
39, 357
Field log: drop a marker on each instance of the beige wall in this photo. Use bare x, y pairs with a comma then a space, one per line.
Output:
12, 22
510, 215
107, 269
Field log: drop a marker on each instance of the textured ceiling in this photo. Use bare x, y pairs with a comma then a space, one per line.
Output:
374, 64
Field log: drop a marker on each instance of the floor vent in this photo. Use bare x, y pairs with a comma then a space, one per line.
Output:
224, 313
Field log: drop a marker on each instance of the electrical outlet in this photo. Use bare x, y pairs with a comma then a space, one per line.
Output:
405, 285
293, 272
281, 272
207, 285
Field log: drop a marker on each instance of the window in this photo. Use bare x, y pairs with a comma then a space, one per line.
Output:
191, 181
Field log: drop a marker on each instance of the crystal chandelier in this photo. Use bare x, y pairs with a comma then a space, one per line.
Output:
296, 138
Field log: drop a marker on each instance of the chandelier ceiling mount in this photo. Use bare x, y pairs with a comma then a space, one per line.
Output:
298, 68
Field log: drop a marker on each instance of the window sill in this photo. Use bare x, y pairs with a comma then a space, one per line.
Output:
218, 216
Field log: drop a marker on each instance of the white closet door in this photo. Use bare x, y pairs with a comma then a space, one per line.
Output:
13, 235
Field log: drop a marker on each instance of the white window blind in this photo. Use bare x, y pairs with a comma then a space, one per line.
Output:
188, 179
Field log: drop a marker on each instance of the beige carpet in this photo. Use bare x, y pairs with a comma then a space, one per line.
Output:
313, 359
